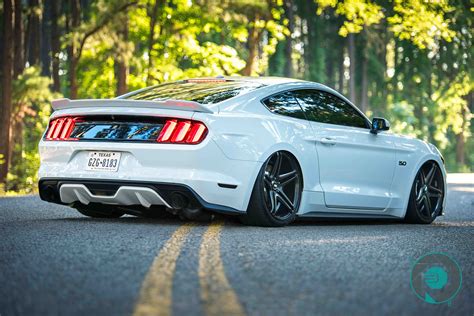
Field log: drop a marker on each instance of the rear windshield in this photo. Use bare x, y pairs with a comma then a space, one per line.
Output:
202, 92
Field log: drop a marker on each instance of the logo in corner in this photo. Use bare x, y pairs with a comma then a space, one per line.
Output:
436, 278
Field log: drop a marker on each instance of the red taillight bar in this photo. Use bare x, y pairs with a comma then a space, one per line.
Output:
167, 131
61, 128
174, 131
196, 134
182, 132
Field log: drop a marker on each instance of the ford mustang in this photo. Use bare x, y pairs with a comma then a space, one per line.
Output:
269, 150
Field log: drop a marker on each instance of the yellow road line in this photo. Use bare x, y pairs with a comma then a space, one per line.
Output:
217, 295
157, 288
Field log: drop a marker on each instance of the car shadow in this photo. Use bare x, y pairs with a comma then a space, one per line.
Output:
344, 221
231, 221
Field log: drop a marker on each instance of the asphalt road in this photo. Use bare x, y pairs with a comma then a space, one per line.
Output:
55, 261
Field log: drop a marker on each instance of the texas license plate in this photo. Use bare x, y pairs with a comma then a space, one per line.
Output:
103, 161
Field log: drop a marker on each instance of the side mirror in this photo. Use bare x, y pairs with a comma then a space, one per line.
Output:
379, 124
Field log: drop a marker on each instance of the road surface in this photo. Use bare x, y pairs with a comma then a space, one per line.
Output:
55, 261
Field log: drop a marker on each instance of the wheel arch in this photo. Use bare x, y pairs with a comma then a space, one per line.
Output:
286, 148
264, 157
421, 162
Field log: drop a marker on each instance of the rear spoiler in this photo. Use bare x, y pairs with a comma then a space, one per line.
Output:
61, 104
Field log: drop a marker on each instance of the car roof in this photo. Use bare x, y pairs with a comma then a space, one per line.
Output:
274, 85
267, 81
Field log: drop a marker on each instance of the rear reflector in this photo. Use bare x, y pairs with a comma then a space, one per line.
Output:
182, 132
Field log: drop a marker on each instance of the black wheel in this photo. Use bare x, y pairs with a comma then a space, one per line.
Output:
277, 191
427, 194
98, 210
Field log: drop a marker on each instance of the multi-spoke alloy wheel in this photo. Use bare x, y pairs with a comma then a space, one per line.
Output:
277, 192
426, 199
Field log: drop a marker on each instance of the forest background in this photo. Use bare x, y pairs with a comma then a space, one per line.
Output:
409, 61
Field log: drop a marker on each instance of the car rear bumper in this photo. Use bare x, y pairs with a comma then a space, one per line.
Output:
108, 192
215, 180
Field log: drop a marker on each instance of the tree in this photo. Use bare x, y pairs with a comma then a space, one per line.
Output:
55, 43
33, 32
410, 61
154, 13
7, 76
18, 43
79, 34
122, 54
73, 54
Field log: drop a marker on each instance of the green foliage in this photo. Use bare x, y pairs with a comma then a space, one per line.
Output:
358, 13
31, 100
417, 54
423, 23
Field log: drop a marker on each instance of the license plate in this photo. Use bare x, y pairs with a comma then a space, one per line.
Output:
103, 161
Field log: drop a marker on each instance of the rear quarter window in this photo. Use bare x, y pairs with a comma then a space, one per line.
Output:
284, 104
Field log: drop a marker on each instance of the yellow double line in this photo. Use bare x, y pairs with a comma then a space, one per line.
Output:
217, 295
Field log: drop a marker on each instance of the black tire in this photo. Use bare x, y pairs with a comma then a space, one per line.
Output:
98, 211
276, 194
427, 195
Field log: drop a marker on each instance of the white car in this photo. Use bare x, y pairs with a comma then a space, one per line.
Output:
267, 149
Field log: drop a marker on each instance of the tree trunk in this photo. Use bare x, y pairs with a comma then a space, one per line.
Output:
331, 49
34, 34
352, 73
7, 72
253, 40
364, 102
55, 43
151, 38
460, 149
19, 61
122, 64
289, 42
16, 143
461, 138
46, 39
383, 58
364, 98
16, 123
314, 43
340, 61
73, 59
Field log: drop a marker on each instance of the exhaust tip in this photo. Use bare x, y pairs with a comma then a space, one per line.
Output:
49, 193
178, 200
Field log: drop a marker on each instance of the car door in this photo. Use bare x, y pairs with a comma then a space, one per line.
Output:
355, 166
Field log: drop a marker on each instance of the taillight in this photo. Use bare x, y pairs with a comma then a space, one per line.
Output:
174, 131
182, 132
61, 128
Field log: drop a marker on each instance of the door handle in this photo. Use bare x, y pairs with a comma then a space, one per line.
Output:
327, 141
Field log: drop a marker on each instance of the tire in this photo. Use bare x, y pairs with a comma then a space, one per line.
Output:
427, 195
98, 211
276, 194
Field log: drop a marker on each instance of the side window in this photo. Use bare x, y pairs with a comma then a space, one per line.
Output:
284, 104
324, 107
